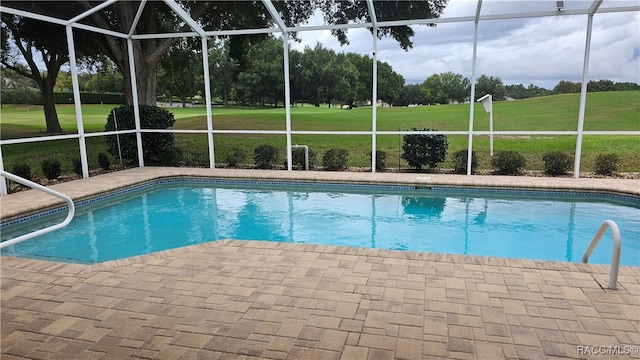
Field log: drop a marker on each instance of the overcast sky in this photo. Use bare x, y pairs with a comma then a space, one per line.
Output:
539, 51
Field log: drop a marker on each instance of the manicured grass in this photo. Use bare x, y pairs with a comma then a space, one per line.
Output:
604, 111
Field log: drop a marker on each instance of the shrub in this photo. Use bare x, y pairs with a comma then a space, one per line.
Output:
335, 159
22, 170
77, 166
103, 161
265, 156
606, 164
381, 160
556, 163
298, 158
235, 157
424, 149
51, 168
159, 148
508, 162
460, 161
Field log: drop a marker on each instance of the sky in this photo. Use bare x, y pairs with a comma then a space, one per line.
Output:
539, 51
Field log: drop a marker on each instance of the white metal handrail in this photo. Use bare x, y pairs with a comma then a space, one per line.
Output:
615, 256
67, 220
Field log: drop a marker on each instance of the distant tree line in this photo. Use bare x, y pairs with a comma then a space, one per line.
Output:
318, 76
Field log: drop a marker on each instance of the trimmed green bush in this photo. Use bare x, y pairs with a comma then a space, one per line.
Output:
424, 149
335, 159
235, 157
158, 148
460, 162
103, 161
51, 168
265, 156
22, 170
381, 160
77, 166
556, 163
606, 164
508, 162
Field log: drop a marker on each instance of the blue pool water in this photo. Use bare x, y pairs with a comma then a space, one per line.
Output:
165, 216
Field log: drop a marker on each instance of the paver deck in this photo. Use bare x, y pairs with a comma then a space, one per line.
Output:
248, 299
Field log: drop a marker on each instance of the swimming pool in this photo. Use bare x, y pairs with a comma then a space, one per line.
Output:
170, 214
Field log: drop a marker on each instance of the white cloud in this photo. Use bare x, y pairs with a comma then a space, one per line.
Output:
541, 51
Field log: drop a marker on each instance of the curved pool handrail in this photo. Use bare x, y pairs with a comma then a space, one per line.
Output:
31, 235
615, 256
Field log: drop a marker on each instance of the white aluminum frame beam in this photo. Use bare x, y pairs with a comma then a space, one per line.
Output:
583, 88
374, 84
287, 86
472, 99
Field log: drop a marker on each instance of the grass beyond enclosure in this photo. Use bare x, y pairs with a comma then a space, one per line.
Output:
611, 111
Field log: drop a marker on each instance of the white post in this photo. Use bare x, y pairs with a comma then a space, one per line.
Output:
287, 99
583, 98
136, 107
473, 92
207, 94
374, 103
491, 133
77, 102
487, 104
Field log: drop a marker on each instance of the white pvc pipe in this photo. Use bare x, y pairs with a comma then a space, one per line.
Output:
207, 94
374, 103
77, 102
583, 98
287, 100
136, 106
473, 88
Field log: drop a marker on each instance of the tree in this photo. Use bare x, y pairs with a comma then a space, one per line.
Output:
264, 76
446, 88
600, 85
157, 17
48, 39
490, 85
564, 87
625, 86
214, 15
106, 78
390, 83
341, 12
363, 64
222, 69
520, 92
181, 71
412, 94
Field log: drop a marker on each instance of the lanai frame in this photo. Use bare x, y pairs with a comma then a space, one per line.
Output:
285, 31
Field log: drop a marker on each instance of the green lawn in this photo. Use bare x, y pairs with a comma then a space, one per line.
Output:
604, 111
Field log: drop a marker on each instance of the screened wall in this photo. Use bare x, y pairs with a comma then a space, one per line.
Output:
469, 18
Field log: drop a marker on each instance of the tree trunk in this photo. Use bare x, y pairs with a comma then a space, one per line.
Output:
49, 106
46, 85
145, 80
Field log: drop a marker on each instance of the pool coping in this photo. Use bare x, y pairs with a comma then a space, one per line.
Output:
22, 204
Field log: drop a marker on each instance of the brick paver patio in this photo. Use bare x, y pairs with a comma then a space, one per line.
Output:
249, 299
